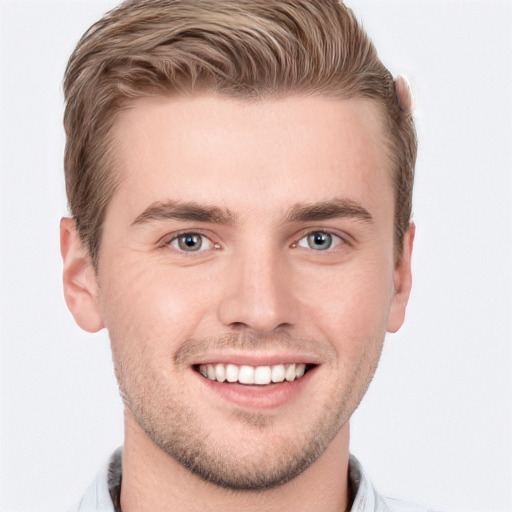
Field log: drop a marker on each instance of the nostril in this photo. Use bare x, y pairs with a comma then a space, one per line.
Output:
239, 326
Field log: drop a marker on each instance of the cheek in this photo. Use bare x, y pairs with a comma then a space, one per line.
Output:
152, 302
351, 304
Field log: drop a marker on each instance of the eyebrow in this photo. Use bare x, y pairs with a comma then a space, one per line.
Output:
336, 208
310, 212
179, 210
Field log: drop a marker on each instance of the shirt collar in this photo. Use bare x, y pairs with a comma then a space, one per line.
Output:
104, 493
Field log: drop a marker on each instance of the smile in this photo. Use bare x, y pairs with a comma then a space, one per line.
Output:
253, 375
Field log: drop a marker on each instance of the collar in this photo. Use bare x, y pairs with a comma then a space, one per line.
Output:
103, 495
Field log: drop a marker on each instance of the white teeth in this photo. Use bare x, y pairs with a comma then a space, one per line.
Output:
231, 373
220, 373
260, 375
278, 372
246, 375
290, 373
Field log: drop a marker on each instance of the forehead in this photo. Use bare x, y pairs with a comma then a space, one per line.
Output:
272, 151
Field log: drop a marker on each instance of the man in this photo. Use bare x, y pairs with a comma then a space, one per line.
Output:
240, 178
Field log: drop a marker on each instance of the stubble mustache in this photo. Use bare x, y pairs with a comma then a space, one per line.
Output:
250, 343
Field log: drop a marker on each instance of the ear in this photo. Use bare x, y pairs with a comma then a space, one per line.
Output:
79, 278
402, 282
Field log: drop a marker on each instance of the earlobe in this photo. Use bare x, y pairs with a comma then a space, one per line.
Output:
402, 281
79, 278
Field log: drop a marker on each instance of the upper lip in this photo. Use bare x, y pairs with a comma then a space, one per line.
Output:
256, 358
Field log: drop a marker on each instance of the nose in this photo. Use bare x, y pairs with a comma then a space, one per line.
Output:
259, 294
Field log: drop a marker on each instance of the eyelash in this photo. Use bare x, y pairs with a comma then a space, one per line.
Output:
335, 239
175, 239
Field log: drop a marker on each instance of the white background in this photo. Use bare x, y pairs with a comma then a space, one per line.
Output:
436, 425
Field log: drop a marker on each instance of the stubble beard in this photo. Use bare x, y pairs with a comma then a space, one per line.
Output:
177, 429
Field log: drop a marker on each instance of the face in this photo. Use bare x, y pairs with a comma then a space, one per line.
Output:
246, 277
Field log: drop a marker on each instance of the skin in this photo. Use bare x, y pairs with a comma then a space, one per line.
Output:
256, 289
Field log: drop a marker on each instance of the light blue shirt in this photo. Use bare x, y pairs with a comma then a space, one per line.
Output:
367, 499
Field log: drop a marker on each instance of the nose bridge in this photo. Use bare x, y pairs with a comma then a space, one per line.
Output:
259, 293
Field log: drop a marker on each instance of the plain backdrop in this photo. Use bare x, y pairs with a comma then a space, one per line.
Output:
436, 425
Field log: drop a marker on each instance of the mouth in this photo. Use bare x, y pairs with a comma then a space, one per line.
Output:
257, 381
262, 375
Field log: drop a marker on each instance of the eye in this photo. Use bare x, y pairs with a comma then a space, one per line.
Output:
320, 241
191, 242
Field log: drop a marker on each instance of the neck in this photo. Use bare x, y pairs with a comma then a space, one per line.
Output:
152, 480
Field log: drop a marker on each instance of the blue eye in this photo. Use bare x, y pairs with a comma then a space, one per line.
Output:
191, 242
319, 241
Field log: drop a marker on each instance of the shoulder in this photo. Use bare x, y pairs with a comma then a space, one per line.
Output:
367, 499
101, 494
394, 505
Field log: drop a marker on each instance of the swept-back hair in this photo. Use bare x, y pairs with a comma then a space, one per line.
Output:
248, 49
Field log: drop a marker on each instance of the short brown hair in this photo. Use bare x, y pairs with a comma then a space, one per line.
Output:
238, 48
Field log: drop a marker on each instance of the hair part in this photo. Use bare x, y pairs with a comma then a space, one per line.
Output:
245, 49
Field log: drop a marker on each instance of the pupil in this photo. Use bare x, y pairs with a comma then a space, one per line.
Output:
188, 242
320, 241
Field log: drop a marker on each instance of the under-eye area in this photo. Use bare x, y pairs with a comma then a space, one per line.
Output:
254, 375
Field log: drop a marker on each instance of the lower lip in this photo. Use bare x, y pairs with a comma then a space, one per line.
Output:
258, 396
